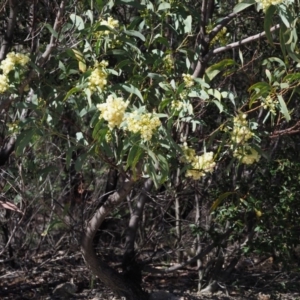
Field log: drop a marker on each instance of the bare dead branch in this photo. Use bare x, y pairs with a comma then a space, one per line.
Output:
243, 42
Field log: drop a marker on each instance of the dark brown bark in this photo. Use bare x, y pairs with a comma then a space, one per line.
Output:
131, 268
6, 149
118, 283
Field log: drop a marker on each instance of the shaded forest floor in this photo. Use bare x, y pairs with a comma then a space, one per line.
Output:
48, 276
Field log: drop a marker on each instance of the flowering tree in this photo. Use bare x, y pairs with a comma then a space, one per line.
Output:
150, 89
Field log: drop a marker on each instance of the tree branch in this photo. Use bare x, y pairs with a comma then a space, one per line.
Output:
220, 25
201, 64
10, 28
129, 264
243, 42
112, 279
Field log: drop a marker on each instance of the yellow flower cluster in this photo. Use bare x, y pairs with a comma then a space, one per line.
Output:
246, 154
201, 165
4, 85
188, 80
113, 110
8, 64
241, 132
240, 135
266, 3
12, 59
111, 22
13, 127
176, 105
221, 37
270, 104
168, 62
98, 77
145, 124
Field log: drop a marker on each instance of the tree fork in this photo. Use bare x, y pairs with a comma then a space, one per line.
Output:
111, 278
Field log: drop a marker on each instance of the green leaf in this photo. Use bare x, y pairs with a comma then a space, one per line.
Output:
156, 76
215, 69
200, 94
132, 90
243, 5
24, 139
269, 76
77, 21
99, 132
188, 24
70, 92
268, 23
215, 93
219, 105
81, 60
220, 199
135, 33
43, 173
164, 6
133, 3
283, 108
275, 59
100, 4
292, 54
80, 161
260, 89
134, 156
153, 156
292, 77
153, 174
53, 32
163, 167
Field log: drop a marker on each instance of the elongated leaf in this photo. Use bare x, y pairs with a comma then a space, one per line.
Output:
23, 140
134, 156
188, 24
78, 21
164, 6
219, 105
132, 90
275, 59
135, 33
80, 161
292, 77
215, 69
53, 32
81, 60
132, 3
219, 200
71, 91
268, 23
243, 5
164, 167
283, 108
10, 206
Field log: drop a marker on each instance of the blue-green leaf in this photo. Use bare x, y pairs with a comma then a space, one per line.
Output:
243, 5
77, 21
135, 33
283, 108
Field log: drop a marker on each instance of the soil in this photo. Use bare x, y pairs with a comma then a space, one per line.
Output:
65, 276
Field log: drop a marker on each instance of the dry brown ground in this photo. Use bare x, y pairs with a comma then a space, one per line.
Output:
38, 277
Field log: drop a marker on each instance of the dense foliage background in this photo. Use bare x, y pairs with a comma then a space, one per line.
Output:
179, 119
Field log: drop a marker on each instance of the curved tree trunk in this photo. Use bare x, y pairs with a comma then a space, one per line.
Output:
131, 268
111, 278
